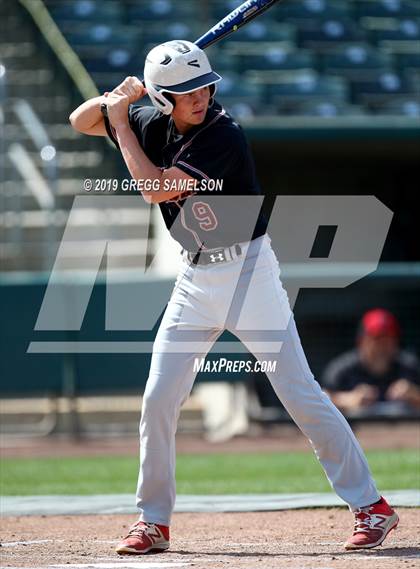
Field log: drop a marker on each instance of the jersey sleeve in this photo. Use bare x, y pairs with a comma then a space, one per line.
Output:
339, 375
409, 367
213, 155
138, 117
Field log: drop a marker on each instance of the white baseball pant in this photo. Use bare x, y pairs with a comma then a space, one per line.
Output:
245, 297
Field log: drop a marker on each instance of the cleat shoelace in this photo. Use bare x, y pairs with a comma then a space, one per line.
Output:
363, 520
138, 530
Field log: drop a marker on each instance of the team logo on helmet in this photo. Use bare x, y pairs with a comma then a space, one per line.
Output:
167, 60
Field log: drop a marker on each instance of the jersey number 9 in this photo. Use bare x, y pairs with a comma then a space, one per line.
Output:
205, 216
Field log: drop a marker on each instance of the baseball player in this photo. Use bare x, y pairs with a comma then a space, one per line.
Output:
229, 280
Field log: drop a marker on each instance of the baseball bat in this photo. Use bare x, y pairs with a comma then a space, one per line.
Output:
233, 21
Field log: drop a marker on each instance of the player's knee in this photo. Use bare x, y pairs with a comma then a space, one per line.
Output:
154, 403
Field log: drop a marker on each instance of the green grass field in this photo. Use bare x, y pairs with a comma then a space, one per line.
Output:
199, 474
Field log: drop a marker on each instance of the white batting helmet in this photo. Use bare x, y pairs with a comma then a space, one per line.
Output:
177, 67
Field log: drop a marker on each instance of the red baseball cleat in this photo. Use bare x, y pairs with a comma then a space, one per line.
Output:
372, 524
144, 537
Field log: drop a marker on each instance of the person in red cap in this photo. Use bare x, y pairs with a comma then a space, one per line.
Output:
377, 370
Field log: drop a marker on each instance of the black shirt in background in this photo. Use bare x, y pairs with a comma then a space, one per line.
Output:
346, 371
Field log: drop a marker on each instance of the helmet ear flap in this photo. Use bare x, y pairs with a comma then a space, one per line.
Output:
169, 98
163, 101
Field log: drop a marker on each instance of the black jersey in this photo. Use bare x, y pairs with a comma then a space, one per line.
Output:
217, 155
347, 371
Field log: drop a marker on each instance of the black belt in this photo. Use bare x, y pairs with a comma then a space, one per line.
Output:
213, 256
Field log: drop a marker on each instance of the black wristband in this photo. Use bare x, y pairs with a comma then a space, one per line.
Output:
104, 109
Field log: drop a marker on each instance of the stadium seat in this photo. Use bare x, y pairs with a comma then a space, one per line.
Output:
273, 58
106, 81
406, 106
406, 56
263, 30
381, 88
414, 79
118, 59
319, 107
240, 96
169, 30
87, 10
235, 85
103, 35
387, 8
241, 111
382, 30
159, 10
356, 60
304, 85
326, 33
410, 60
222, 60
303, 10
220, 8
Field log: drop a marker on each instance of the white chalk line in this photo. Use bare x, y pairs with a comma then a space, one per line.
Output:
34, 542
231, 544
369, 556
114, 565
42, 541
114, 542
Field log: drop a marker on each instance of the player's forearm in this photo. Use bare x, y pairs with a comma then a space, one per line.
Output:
87, 115
140, 167
138, 164
338, 398
344, 400
414, 398
405, 391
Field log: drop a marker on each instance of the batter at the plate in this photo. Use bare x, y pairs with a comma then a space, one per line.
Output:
229, 279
